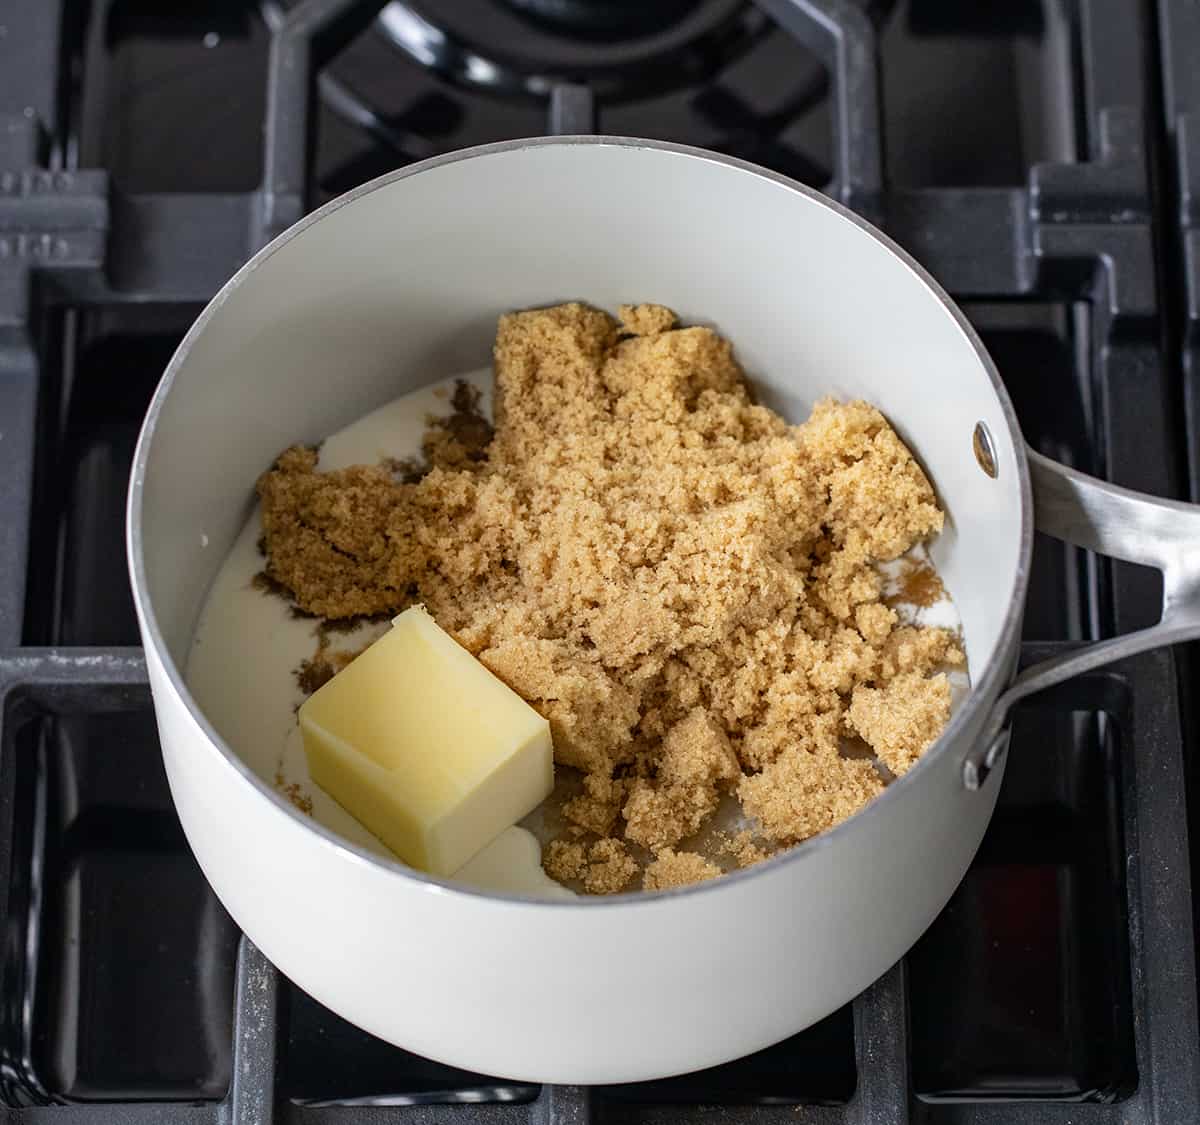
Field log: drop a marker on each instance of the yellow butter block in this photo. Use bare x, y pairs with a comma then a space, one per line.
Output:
422, 744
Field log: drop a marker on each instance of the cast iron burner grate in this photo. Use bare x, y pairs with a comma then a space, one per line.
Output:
1058, 985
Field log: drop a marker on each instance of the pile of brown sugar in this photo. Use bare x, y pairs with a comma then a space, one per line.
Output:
682, 583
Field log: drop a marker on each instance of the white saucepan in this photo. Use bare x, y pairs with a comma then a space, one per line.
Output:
399, 283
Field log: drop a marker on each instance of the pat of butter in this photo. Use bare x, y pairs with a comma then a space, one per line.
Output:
422, 744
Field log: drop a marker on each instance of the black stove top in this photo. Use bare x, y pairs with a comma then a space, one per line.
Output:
1038, 156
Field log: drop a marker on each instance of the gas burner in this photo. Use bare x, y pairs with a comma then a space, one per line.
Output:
603, 19
621, 51
428, 78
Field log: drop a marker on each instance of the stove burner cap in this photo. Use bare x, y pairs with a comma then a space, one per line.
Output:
621, 49
603, 19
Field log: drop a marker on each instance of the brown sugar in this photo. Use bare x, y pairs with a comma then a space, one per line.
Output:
677, 869
902, 718
686, 586
745, 850
317, 670
565, 860
610, 868
917, 584
646, 320
460, 439
596, 809
268, 586
694, 762
604, 867
802, 792
294, 792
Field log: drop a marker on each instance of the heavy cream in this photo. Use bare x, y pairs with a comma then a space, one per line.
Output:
248, 645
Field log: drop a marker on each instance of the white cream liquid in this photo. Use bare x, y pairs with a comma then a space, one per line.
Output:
248, 645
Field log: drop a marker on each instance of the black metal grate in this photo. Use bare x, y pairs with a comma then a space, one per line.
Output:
1059, 984
1178, 40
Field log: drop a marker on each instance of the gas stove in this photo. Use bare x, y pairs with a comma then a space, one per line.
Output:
1038, 157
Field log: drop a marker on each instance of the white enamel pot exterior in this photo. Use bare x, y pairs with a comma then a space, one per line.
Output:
401, 282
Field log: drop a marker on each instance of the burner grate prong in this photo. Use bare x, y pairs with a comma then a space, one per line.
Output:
572, 110
258, 1035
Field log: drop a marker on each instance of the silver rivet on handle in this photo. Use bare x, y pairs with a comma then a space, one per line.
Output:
976, 770
985, 451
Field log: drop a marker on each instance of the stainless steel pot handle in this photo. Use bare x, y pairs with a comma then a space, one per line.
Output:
1123, 525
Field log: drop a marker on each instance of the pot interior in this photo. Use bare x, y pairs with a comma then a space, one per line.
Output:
401, 283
